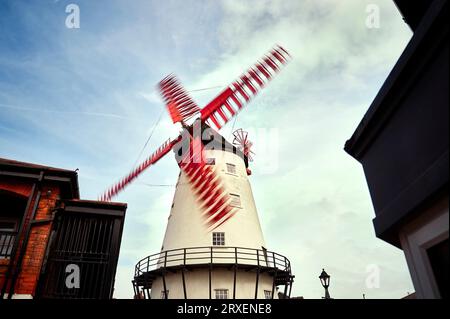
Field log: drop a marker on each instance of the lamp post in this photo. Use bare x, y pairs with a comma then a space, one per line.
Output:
325, 281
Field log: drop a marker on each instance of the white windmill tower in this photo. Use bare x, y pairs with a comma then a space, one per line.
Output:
213, 246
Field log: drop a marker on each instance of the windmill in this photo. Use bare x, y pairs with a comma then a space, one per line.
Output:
205, 203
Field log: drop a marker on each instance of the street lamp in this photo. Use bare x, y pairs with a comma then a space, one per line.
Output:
325, 281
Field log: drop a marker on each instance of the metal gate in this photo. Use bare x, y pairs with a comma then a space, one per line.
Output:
82, 256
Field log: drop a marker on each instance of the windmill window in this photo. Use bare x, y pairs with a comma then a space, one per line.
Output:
221, 293
231, 168
218, 239
211, 161
235, 200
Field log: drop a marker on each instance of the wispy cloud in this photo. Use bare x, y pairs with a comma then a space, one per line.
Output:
30, 109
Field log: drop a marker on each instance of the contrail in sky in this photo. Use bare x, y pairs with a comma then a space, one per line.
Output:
21, 108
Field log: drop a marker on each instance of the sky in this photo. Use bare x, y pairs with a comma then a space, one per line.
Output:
85, 98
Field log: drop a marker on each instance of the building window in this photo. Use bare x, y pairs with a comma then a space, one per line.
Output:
267, 294
231, 168
8, 228
164, 294
235, 200
218, 239
221, 293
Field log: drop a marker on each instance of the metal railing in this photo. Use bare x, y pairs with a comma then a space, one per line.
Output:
7, 239
212, 255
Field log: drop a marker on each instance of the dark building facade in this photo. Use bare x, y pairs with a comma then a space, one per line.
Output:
52, 244
402, 144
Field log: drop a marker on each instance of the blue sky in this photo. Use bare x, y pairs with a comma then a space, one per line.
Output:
85, 98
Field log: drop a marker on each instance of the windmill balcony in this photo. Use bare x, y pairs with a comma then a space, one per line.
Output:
185, 259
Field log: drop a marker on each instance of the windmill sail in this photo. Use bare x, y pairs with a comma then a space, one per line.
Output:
180, 105
152, 159
217, 113
221, 109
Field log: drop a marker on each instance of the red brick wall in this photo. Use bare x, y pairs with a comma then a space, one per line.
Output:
16, 186
19, 187
39, 235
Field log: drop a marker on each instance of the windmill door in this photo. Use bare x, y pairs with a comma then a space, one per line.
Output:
82, 256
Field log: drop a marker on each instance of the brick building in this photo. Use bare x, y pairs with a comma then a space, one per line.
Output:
45, 227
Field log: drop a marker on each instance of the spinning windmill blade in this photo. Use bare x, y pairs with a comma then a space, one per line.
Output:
152, 159
242, 142
205, 183
226, 105
179, 104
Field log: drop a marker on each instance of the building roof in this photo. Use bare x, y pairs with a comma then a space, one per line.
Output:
67, 178
96, 204
6, 161
413, 11
94, 207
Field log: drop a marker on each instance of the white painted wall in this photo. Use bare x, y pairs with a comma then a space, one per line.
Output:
185, 229
185, 224
197, 284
